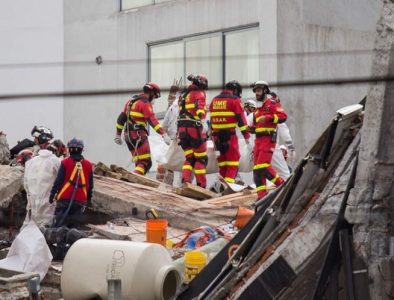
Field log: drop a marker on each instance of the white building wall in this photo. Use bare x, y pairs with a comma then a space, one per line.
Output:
299, 40
323, 40
98, 28
31, 61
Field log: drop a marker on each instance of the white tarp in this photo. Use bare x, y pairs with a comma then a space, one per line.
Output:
29, 252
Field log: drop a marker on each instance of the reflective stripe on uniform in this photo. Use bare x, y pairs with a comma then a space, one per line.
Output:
142, 156
228, 163
136, 114
187, 152
229, 179
222, 114
276, 119
187, 167
275, 178
157, 127
222, 126
188, 106
261, 188
261, 166
264, 129
200, 171
243, 128
200, 154
139, 169
200, 111
119, 126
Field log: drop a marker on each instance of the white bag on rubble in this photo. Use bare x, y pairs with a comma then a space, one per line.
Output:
174, 158
246, 160
158, 149
29, 252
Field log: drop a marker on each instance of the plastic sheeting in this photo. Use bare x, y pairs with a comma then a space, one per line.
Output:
29, 252
40, 174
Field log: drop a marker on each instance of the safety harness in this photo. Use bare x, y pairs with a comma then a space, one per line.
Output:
77, 171
135, 126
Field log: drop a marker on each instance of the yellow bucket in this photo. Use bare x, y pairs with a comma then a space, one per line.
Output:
195, 261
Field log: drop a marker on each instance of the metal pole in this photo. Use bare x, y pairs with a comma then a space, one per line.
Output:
114, 289
34, 288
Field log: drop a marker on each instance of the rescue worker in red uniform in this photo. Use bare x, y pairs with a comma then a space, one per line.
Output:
192, 139
265, 120
136, 116
226, 114
72, 189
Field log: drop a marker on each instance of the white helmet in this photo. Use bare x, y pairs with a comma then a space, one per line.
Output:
260, 83
43, 134
251, 103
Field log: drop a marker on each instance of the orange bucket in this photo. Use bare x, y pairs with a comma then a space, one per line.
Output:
243, 217
156, 231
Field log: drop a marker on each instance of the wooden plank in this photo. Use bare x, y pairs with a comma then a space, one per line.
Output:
245, 197
101, 169
194, 191
114, 175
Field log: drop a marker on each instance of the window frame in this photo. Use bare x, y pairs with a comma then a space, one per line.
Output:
184, 39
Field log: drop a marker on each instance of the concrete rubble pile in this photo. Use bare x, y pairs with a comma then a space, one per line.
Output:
287, 235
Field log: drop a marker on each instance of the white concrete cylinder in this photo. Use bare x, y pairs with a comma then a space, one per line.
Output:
145, 270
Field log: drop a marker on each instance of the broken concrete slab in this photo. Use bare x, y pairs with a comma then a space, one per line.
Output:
11, 183
125, 199
4, 149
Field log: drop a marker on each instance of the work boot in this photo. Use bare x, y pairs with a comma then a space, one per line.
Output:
217, 187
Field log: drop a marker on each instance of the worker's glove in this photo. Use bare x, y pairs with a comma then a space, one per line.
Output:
118, 139
166, 139
51, 199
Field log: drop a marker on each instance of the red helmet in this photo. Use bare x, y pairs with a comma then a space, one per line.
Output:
152, 87
199, 80
58, 148
23, 156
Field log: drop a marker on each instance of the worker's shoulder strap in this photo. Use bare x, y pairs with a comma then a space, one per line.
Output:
135, 98
78, 169
183, 110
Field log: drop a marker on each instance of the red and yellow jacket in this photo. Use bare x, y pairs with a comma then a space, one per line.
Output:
193, 104
141, 114
266, 117
227, 112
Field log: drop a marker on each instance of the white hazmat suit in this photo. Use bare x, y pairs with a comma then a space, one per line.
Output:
40, 174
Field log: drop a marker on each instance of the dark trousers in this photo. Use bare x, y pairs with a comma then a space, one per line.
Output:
72, 218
